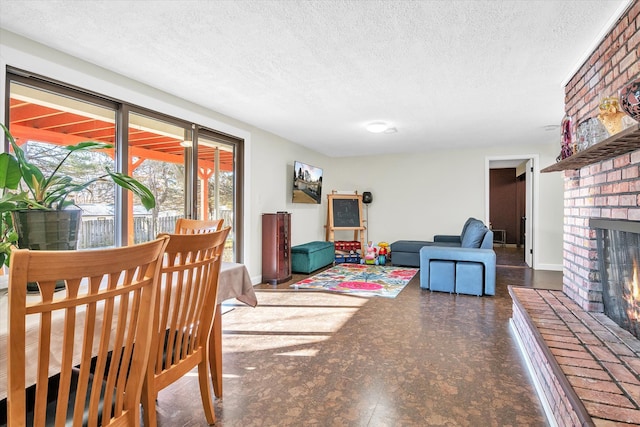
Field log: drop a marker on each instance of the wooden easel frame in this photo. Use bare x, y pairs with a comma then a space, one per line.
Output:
358, 232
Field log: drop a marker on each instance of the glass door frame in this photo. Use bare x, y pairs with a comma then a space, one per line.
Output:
122, 111
238, 182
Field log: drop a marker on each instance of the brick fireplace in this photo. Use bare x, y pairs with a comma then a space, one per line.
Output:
585, 367
608, 188
619, 270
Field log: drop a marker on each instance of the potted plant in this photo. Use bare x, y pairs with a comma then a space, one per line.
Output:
27, 192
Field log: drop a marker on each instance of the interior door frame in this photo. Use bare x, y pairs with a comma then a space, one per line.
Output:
528, 225
531, 209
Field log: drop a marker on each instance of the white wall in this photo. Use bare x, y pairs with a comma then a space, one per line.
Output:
421, 194
272, 171
414, 195
548, 253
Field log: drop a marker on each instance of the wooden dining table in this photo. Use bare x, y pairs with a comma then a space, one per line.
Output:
234, 282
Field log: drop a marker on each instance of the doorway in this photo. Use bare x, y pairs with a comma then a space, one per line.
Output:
510, 201
507, 205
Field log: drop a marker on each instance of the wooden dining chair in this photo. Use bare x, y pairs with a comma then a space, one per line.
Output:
197, 226
93, 338
185, 308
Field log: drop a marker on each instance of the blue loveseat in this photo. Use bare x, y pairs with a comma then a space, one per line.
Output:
464, 263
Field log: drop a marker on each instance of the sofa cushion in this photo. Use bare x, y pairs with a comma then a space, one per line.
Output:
474, 234
408, 245
466, 224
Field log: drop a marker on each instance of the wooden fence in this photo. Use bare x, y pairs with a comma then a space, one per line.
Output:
100, 232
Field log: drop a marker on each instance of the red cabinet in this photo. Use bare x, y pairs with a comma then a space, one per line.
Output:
276, 247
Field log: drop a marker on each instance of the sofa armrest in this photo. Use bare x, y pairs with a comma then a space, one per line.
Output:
446, 238
487, 257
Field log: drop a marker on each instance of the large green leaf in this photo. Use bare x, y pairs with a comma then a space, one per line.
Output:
9, 172
32, 176
89, 145
146, 196
22, 200
60, 189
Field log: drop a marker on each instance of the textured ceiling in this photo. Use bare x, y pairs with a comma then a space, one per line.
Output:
443, 73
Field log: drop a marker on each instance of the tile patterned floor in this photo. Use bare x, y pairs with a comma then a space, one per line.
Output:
305, 358
598, 358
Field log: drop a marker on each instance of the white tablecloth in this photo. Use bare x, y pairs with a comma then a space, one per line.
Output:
234, 282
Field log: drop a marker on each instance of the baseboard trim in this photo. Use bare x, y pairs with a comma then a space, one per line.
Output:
550, 267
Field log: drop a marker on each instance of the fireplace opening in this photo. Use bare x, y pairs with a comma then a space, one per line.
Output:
619, 263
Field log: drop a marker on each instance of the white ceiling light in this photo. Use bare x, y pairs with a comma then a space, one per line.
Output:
377, 127
187, 143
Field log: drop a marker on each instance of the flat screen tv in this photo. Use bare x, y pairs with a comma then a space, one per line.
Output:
307, 183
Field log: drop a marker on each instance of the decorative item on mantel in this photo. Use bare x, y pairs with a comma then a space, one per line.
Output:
630, 99
589, 133
611, 115
566, 140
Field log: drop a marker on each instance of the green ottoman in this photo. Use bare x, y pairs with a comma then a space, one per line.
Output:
311, 256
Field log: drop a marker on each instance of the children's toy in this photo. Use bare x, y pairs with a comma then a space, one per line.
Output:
347, 251
370, 255
350, 258
383, 252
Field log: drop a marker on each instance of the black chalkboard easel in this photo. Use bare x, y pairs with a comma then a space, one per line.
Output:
345, 213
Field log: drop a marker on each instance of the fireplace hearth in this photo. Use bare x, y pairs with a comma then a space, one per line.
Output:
619, 263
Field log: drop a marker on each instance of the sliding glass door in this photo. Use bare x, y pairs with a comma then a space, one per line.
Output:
156, 157
193, 171
216, 187
44, 120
